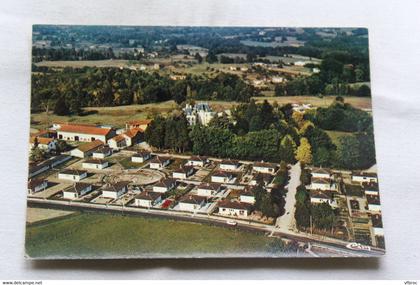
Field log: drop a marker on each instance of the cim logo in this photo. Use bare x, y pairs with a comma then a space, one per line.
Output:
358, 246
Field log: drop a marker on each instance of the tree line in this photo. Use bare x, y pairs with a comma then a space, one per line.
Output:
260, 131
69, 90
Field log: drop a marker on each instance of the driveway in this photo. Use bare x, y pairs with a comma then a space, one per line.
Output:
287, 221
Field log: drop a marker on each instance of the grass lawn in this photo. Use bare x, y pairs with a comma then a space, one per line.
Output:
336, 135
105, 235
116, 116
128, 164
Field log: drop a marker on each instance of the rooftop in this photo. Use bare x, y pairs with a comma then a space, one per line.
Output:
193, 199
77, 187
116, 186
234, 205
90, 145
84, 129
148, 195
73, 172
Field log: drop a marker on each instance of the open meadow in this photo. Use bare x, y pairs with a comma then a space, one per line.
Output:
106, 235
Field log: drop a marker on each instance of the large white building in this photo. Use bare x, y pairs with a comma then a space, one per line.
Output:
199, 113
83, 133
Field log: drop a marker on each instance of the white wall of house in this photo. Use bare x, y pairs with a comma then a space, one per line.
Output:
72, 177
320, 175
95, 165
260, 169
117, 145
73, 195
228, 167
322, 186
139, 159
205, 192
371, 192
316, 200
47, 147
195, 163
113, 194
101, 155
189, 207
378, 231
179, 175
38, 188
81, 137
233, 212
159, 165
247, 199
374, 207
160, 189
363, 179
146, 203
219, 179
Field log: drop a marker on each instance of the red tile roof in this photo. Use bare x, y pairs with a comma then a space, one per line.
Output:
84, 129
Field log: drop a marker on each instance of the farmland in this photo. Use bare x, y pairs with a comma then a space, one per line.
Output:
103, 235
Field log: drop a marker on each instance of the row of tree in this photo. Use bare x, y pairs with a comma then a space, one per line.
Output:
69, 90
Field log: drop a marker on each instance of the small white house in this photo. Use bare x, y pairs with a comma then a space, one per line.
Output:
208, 189
37, 185
116, 190
323, 184
102, 152
72, 174
197, 161
229, 164
141, 157
248, 196
321, 173
159, 162
319, 197
371, 189
147, 199
95, 164
221, 177
234, 208
118, 142
192, 203
374, 204
164, 185
43, 143
364, 177
183, 172
264, 167
77, 190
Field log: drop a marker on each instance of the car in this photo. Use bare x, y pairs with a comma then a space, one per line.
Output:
231, 223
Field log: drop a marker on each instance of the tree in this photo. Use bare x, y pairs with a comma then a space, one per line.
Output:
288, 149
211, 57
348, 154
323, 216
37, 154
304, 151
61, 108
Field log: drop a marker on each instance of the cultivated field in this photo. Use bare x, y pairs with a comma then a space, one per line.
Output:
105, 235
116, 116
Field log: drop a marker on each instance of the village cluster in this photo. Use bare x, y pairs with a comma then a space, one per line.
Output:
357, 196
115, 166
121, 172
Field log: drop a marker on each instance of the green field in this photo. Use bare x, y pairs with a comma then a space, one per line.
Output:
105, 235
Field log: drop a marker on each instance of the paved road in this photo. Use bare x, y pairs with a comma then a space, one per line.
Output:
287, 221
338, 245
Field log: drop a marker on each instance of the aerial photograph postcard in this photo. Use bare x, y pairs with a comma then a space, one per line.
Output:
201, 142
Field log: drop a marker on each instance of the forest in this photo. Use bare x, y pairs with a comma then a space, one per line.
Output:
273, 133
